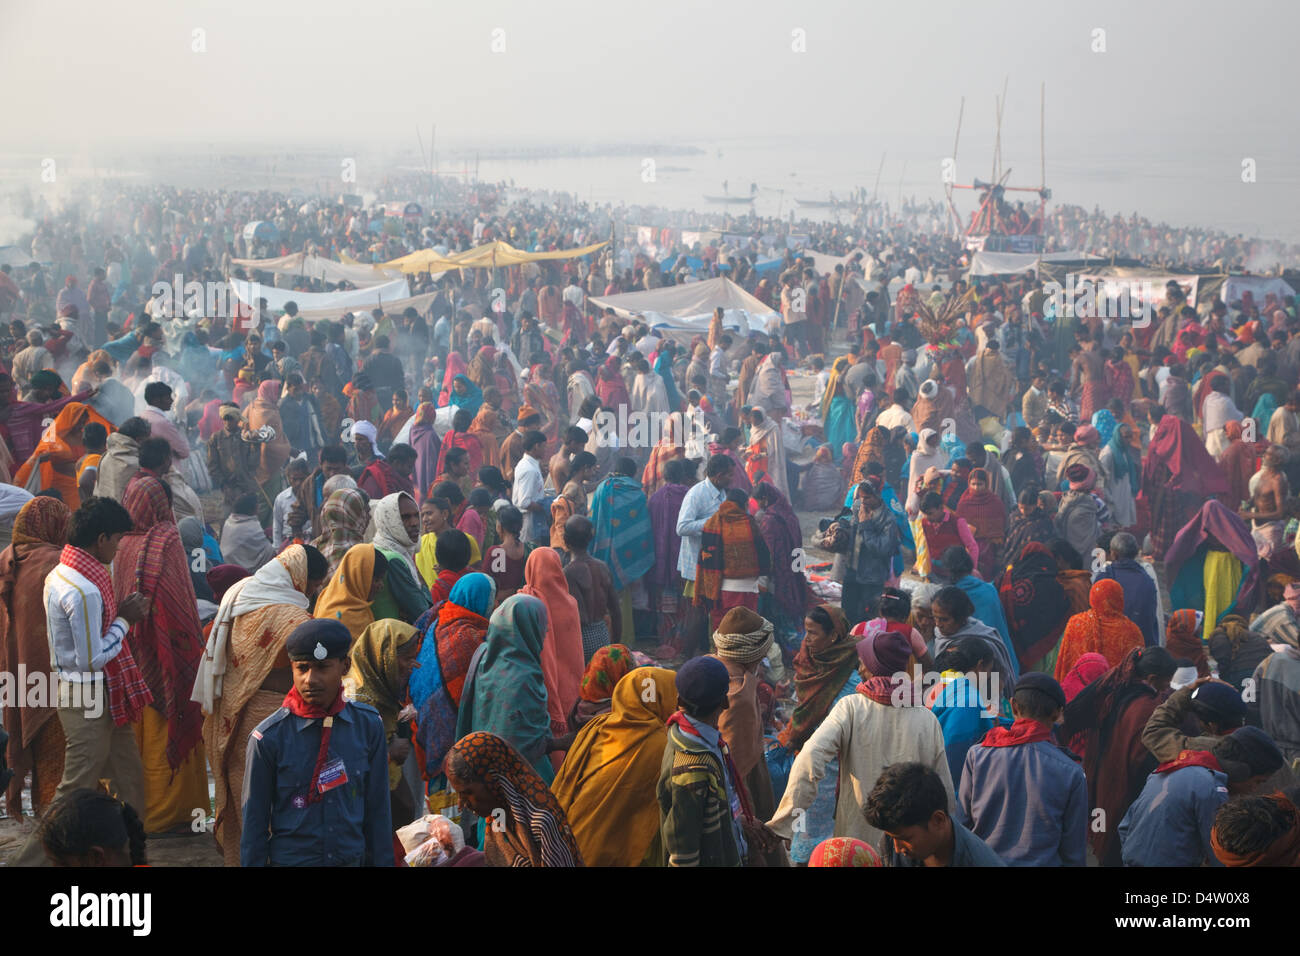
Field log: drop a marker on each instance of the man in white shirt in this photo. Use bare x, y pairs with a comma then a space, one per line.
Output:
573, 295
527, 493
698, 506
281, 534
82, 645
896, 415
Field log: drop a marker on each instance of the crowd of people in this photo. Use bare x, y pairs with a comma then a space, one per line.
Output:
385, 583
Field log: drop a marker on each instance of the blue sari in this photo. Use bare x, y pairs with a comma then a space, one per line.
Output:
505, 693
472, 400
624, 537
839, 425
1263, 414
664, 368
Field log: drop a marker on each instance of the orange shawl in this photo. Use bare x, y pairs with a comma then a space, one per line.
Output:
561, 659
1103, 629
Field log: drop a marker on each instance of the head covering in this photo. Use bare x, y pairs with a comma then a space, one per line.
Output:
505, 693
1223, 699
702, 683
1081, 477
821, 668
607, 783
1044, 684
223, 576
844, 851
1183, 638
1086, 669
474, 592
347, 597
42, 520
606, 669
884, 653
366, 430
318, 640
561, 657
538, 833
743, 636
1086, 435
1103, 423
1102, 628
375, 676
390, 532
343, 520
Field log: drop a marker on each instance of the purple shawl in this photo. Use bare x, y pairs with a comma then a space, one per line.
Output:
782, 534
665, 505
1217, 522
424, 439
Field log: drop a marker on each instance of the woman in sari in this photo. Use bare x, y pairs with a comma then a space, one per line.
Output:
1177, 477
986, 515
605, 669
245, 672
562, 660
505, 691
343, 520
611, 389
664, 369
57, 454
481, 368
1036, 607
1121, 468
786, 599
36, 741
424, 439
168, 646
872, 449
383, 659
395, 418
671, 447
265, 411
1102, 629
465, 394
492, 776
836, 409
436, 686
485, 427
825, 670
353, 587
607, 783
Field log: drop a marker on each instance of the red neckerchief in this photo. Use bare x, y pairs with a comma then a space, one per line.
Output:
680, 720
128, 694
300, 708
1190, 758
881, 690
1023, 731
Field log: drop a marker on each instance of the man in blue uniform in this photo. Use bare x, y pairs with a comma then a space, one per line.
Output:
316, 784
1022, 794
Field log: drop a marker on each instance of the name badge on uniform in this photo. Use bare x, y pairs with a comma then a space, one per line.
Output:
333, 774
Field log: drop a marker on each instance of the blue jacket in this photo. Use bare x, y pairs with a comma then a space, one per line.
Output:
1169, 823
1028, 802
961, 714
988, 608
351, 825
1139, 596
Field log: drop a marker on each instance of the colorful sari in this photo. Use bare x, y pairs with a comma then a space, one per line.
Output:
428, 449
562, 659
1103, 629
623, 536
537, 833
779, 527
484, 428
168, 646
1035, 604
245, 644
347, 597
36, 741
607, 783
59, 469
505, 690
436, 686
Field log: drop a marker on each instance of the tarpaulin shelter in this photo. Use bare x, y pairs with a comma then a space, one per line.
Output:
491, 255
347, 300
688, 309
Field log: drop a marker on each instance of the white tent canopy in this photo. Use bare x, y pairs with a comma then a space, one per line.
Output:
689, 307
368, 298
1257, 286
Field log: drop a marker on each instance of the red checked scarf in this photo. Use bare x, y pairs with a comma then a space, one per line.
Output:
128, 695
1023, 731
300, 708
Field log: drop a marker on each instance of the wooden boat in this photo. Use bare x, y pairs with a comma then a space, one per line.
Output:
731, 200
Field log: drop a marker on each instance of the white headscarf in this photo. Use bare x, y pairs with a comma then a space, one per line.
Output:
390, 533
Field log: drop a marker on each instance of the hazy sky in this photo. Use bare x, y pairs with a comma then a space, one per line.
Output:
1175, 76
